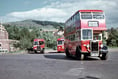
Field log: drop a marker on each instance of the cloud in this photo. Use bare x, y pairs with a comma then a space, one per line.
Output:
61, 10
109, 7
51, 14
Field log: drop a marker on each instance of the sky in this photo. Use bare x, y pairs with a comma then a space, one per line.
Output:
55, 10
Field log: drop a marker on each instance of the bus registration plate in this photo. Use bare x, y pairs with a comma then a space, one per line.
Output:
94, 54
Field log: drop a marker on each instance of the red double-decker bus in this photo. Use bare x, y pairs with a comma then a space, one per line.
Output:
83, 34
60, 45
39, 45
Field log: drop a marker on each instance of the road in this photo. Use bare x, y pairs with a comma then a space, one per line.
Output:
57, 66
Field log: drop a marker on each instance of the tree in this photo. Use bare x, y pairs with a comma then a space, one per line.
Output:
25, 43
113, 37
25, 36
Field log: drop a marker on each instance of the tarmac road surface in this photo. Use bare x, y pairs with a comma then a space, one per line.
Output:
57, 66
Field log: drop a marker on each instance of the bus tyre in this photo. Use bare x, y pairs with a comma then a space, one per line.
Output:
67, 53
42, 51
85, 56
104, 56
78, 54
35, 51
58, 52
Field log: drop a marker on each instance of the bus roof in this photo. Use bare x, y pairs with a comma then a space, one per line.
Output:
85, 11
90, 10
60, 39
37, 39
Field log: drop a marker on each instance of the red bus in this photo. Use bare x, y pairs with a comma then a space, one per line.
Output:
83, 34
39, 45
60, 45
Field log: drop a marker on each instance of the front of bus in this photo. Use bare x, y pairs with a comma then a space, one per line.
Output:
92, 24
39, 45
60, 45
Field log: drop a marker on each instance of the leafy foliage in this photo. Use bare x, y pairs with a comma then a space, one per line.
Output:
26, 36
113, 37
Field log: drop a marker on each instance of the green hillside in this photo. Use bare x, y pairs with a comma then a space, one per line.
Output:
26, 31
36, 23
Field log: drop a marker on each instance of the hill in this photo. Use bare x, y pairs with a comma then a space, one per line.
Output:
36, 23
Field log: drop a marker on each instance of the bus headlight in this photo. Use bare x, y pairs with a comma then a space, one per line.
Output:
84, 44
101, 45
87, 46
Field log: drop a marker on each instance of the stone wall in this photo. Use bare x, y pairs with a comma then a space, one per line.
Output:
4, 41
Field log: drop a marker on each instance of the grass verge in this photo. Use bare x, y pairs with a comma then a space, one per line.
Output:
19, 51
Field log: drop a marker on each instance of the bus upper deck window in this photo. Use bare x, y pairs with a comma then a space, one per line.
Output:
98, 15
86, 15
92, 15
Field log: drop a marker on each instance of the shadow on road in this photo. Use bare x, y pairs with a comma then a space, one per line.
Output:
63, 57
89, 77
90, 59
55, 52
32, 52
52, 52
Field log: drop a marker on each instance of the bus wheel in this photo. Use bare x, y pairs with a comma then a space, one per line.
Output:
104, 57
42, 51
85, 56
58, 52
67, 53
35, 51
78, 54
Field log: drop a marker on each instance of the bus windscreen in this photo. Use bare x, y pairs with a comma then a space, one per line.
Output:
87, 34
60, 42
36, 43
